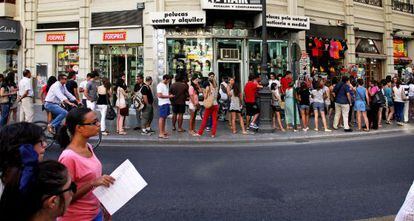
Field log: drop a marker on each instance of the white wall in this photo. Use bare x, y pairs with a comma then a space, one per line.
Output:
46, 54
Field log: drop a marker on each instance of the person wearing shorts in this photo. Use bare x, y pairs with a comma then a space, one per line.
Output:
147, 113
250, 91
163, 104
179, 89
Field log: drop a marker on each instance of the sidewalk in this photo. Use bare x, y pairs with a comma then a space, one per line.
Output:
224, 135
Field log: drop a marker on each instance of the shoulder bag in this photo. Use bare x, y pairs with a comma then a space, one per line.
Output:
110, 112
209, 100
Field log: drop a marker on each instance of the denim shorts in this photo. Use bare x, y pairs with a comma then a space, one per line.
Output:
304, 107
164, 110
319, 106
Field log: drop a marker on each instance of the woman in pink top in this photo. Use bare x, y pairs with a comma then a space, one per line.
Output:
84, 167
194, 105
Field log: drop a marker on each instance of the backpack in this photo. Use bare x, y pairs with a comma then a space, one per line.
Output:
138, 100
379, 99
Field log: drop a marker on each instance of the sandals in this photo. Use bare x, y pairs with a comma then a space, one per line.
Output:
163, 137
122, 132
181, 130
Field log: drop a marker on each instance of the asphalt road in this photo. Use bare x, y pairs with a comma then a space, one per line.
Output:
336, 180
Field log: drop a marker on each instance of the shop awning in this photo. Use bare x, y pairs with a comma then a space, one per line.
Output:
8, 45
373, 56
402, 60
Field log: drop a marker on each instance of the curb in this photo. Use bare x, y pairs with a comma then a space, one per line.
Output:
262, 138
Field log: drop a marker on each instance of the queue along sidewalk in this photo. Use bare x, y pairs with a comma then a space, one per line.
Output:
224, 135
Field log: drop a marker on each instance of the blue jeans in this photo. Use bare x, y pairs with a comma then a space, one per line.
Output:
5, 110
58, 111
399, 111
99, 217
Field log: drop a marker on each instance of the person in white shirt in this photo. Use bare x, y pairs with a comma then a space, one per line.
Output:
82, 87
58, 94
406, 88
273, 79
164, 96
26, 97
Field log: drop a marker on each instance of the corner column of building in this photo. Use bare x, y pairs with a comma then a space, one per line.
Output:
350, 54
84, 48
388, 39
298, 7
150, 40
29, 26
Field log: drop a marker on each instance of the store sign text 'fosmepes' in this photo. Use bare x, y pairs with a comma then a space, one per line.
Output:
245, 5
60, 37
115, 36
178, 18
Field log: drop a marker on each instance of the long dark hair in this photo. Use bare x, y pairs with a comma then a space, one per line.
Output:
74, 118
106, 84
196, 88
50, 178
120, 83
12, 137
50, 82
236, 90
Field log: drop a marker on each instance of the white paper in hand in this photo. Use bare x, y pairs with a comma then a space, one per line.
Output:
128, 182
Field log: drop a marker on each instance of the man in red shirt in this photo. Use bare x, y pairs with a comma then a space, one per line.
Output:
286, 80
250, 94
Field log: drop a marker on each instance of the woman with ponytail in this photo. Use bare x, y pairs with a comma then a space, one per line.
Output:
84, 167
21, 148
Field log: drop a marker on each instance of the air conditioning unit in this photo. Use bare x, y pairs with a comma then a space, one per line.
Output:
229, 54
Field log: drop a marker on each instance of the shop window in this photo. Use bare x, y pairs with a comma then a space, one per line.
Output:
367, 46
370, 2
277, 57
403, 6
67, 58
111, 61
188, 56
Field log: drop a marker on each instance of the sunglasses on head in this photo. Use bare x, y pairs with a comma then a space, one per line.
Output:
73, 188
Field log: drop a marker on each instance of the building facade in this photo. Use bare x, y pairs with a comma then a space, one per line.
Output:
369, 38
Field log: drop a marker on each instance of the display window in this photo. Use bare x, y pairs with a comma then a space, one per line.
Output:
8, 60
277, 56
67, 58
112, 61
189, 56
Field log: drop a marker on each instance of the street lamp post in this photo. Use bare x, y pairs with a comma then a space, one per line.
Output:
265, 95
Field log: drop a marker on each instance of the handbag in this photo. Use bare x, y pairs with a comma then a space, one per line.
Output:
124, 111
208, 102
110, 112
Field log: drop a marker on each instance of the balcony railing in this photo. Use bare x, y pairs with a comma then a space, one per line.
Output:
8, 1
402, 6
370, 2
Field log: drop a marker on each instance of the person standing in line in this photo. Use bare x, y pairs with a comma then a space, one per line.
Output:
381, 108
13, 98
6, 92
163, 94
290, 108
71, 85
304, 105
91, 91
194, 105
389, 108
411, 98
374, 108
406, 99
285, 82
211, 92
82, 88
224, 99
236, 106
84, 167
276, 106
399, 94
26, 97
342, 101
122, 108
148, 110
179, 89
361, 104
104, 94
274, 80
137, 88
319, 97
250, 94
206, 83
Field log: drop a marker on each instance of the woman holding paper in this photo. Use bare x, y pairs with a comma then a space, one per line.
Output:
84, 167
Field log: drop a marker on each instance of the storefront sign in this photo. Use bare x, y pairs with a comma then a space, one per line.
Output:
115, 36
244, 5
399, 48
119, 36
284, 21
57, 38
178, 18
9, 29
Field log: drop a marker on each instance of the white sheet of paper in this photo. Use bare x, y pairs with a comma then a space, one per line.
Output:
128, 182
